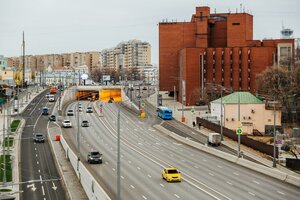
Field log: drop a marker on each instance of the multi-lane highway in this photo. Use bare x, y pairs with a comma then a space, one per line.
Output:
146, 151
38, 171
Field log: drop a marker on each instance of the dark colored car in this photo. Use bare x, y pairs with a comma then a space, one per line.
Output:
39, 138
200, 103
85, 123
94, 157
52, 118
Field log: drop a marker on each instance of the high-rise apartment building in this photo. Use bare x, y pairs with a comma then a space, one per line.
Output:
215, 49
127, 55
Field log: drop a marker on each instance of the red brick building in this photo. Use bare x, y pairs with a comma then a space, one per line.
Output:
215, 48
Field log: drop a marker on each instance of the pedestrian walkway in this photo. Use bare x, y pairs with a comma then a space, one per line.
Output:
190, 113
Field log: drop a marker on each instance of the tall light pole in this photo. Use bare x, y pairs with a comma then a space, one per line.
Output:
274, 136
222, 138
119, 158
239, 135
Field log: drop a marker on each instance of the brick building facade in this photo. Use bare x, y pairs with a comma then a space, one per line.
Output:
217, 49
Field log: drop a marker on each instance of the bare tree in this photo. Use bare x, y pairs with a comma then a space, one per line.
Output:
281, 84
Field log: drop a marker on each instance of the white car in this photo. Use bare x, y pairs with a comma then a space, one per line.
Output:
51, 98
70, 113
67, 124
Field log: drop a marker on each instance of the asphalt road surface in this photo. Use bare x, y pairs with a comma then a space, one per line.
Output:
37, 167
145, 152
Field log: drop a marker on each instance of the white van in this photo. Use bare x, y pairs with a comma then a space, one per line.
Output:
214, 139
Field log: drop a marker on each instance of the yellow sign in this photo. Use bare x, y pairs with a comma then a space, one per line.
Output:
239, 124
239, 131
110, 95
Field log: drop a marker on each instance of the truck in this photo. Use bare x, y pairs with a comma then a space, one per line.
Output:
214, 139
53, 90
45, 111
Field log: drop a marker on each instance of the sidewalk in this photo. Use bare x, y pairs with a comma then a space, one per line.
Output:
191, 116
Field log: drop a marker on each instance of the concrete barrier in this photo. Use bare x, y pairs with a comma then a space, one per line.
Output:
90, 185
231, 158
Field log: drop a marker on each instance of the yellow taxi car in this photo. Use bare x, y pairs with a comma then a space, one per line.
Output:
171, 174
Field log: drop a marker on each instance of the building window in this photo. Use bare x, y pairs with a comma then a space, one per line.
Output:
235, 24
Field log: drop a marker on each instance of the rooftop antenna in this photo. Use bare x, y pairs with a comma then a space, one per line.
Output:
241, 7
215, 11
236, 10
229, 11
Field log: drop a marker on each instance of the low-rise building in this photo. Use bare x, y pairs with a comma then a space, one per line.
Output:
253, 114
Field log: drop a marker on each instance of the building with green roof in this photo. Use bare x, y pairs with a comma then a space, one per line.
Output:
247, 109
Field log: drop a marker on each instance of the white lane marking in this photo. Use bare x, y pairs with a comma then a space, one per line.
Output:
140, 143
122, 177
129, 161
132, 186
256, 182
229, 183
178, 197
43, 190
34, 148
149, 175
280, 192
113, 169
35, 155
196, 166
135, 129
161, 185
37, 162
127, 122
220, 166
41, 179
235, 173
191, 154
183, 160
138, 168
106, 162
251, 193
193, 133
39, 171
211, 174
144, 197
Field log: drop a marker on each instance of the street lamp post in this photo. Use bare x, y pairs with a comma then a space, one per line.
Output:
274, 137
239, 135
222, 138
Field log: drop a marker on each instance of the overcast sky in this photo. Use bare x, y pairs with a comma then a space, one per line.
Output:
64, 26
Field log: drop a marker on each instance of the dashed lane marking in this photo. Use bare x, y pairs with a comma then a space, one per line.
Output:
138, 168
235, 173
149, 175
251, 193
122, 177
144, 197
177, 196
161, 185
132, 186
280, 192
211, 174
113, 169
229, 183
256, 182
220, 166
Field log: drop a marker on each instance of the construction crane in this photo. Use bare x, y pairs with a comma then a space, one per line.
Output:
18, 77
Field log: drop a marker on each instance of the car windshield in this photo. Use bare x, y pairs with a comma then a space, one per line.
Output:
67, 121
38, 135
84, 121
95, 154
70, 110
172, 171
89, 108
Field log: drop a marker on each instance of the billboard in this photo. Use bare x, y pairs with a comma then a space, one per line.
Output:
106, 77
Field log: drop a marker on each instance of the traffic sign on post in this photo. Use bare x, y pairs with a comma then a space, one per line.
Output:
239, 131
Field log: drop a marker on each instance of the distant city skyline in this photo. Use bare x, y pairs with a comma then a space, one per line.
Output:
55, 27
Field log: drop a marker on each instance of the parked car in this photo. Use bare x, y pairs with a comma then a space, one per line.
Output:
70, 112
85, 123
171, 174
94, 157
39, 138
200, 103
52, 118
67, 124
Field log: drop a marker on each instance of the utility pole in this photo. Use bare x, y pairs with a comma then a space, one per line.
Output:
222, 138
23, 77
119, 158
3, 149
174, 99
274, 136
239, 135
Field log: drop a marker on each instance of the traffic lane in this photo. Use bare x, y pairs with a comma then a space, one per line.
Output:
132, 186
134, 160
212, 174
38, 151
